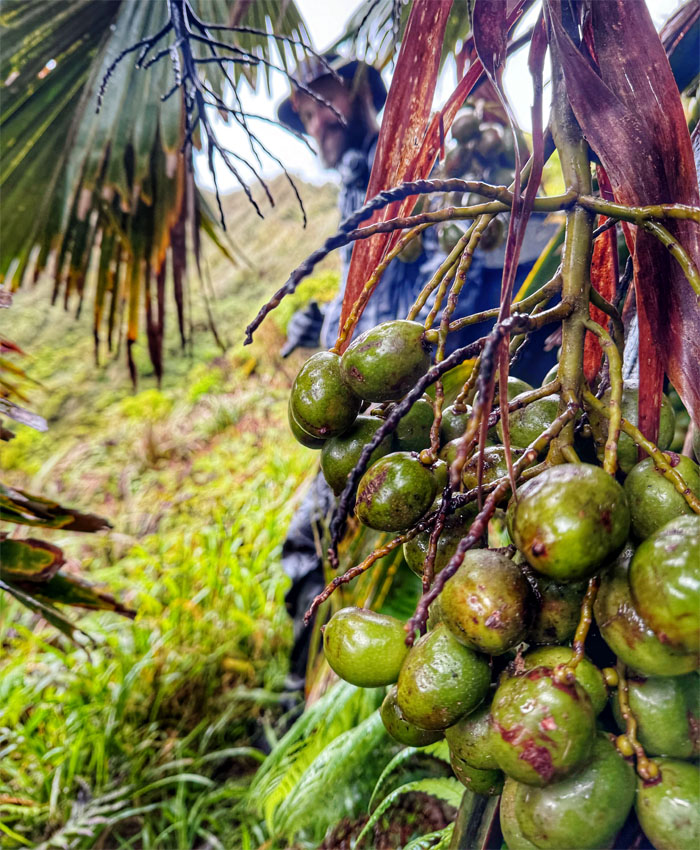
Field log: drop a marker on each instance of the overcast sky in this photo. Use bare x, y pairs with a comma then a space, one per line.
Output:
326, 21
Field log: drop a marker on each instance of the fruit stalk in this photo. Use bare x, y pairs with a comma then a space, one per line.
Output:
584, 624
573, 154
646, 768
610, 350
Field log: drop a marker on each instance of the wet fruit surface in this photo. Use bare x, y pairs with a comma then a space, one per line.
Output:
558, 611
340, 454
584, 811
486, 604
665, 582
669, 811
570, 520
454, 422
385, 362
399, 728
543, 729
365, 648
321, 402
667, 711
654, 500
586, 673
415, 550
470, 739
512, 833
494, 466
300, 434
413, 430
395, 492
627, 633
626, 449
441, 680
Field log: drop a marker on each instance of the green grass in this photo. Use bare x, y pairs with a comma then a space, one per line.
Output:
148, 735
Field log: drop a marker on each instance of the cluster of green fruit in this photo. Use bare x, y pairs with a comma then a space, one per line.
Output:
524, 715
480, 150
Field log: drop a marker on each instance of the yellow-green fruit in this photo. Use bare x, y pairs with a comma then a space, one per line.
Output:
494, 466
488, 783
487, 602
669, 810
665, 582
340, 454
322, 404
512, 833
470, 739
653, 499
667, 711
441, 680
543, 728
365, 648
415, 550
586, 810
627, 633
395, 492
626, 449
587, 674
412, 251
454, 422
300, 434
527, 423
385, 362
570, 520
399, 728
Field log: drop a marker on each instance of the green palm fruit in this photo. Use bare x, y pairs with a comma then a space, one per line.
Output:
551, 375
526, 424
413, 431
570, 520
653, 500
470, 739
340, 454
626, 449
667, 711
558, 611
512, 833
627, 633
456, 527
395, 492
441, 680
454, 422
487, 602
587, 674
494, 466
322, 404
385, 362
493, 235
665, 582
490, 143
365, 648
543, 728
489, 783
466, 125
669, 810
300, 434
585, 811
449, 235
399, 728
412, 251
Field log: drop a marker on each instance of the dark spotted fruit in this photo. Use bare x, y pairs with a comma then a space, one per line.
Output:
321, 403
395, 492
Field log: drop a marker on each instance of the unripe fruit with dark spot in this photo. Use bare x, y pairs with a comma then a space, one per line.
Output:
628, 634
340, 454
365, 648
586, 673
669, 810
385, 362
322, 404
585, 811
543, 728
413, 431
456, 527
527, 423
558, 611
486, 603
653, 499
441, 680
300, 434
470, 739
665, 582
570, 520
395, 492
494, 466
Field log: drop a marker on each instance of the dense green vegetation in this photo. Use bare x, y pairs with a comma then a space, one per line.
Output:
199, 478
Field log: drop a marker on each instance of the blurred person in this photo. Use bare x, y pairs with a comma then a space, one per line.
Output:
349, 149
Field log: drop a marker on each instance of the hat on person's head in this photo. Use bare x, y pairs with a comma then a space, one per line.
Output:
312, 69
